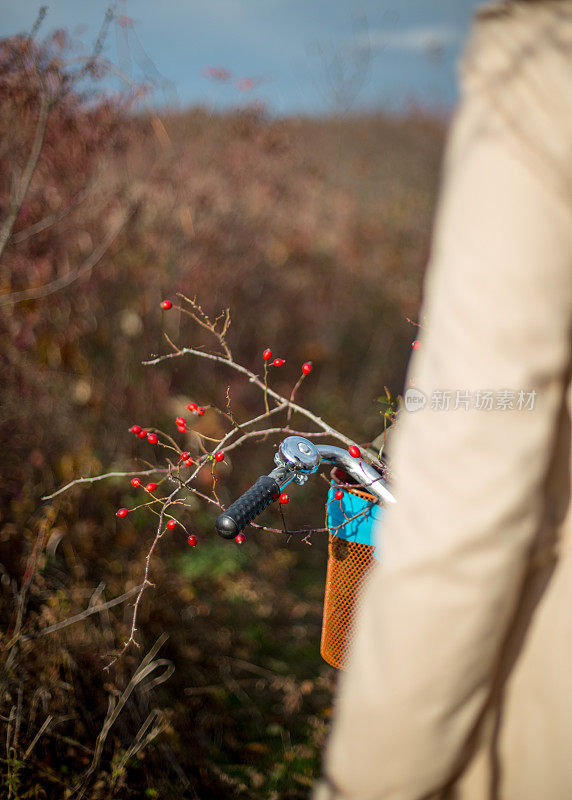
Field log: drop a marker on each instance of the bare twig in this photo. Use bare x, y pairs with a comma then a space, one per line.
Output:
39, 19
77, 481
229, 415
202, 319
293, 395
266, 386
257, 382
21, 190
146, 582
263, 434
72, 275
213, 489
98, 45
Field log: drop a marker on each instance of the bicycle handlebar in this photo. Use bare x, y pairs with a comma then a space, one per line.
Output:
359, 469
296, 459
247, 507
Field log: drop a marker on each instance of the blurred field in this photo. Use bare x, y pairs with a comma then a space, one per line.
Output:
315, 233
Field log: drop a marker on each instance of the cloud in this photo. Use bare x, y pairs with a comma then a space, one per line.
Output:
414, 40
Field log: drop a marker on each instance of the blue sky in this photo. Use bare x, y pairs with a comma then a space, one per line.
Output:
302, 56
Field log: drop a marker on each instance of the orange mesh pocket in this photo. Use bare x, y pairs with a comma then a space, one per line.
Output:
349, 564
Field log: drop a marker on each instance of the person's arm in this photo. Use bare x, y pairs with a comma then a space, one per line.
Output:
469, 484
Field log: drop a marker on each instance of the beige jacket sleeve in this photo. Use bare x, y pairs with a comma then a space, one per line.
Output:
497, 316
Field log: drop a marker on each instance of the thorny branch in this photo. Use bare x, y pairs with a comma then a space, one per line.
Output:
237, 434
254, 379
101, 478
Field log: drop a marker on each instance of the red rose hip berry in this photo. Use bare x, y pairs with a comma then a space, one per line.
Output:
354, 451
135, 428
307, 367
135, 482
152, 438
171, 524
142, 433
166, 305
151, 487
278, 362
240, 538
200, 411
192, 406
121, 512
192, 540
284, 498
219, 456
339, 495
267, 354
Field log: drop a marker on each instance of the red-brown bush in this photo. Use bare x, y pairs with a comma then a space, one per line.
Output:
315, 233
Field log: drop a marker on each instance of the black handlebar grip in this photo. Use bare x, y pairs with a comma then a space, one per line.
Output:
242, 511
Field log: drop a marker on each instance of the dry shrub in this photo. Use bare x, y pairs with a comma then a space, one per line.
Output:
315, 233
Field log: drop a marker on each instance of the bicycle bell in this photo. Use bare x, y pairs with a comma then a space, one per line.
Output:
298, 455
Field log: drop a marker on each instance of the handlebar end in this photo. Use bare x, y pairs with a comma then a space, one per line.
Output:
246, 508
226, 526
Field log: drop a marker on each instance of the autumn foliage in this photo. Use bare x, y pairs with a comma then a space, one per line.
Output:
315, 232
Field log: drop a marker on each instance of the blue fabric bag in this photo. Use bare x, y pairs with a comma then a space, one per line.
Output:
364, 529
